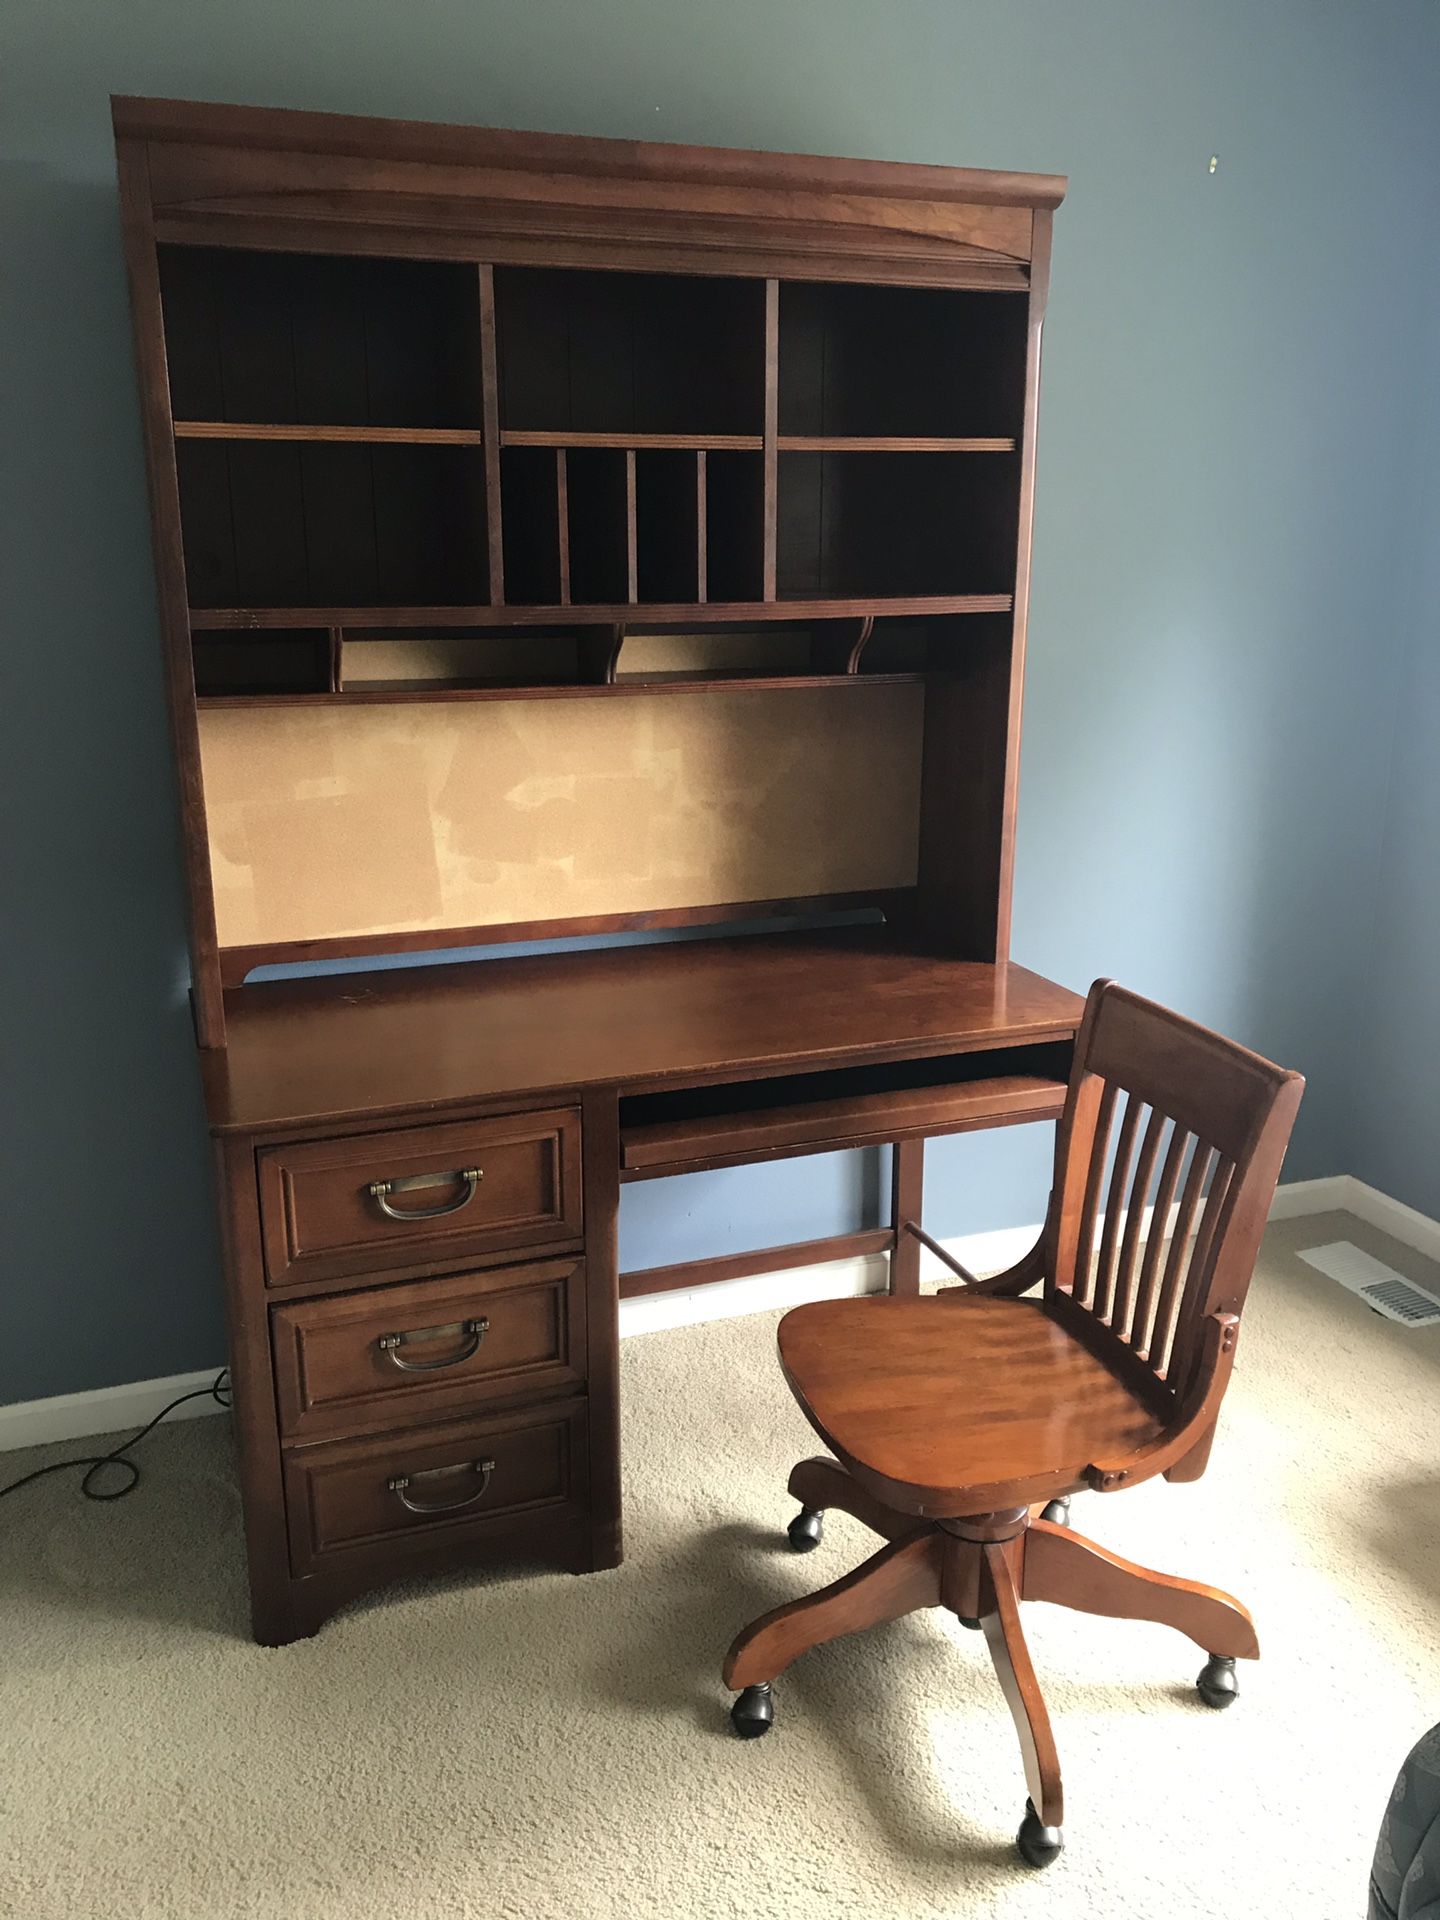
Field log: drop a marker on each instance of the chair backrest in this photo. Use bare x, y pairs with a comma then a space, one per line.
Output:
1161, 1114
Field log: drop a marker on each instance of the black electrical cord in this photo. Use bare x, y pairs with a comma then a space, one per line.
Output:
218, 1390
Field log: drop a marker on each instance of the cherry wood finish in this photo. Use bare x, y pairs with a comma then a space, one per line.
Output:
951, 1419
342, 1496
412, 382
388, 1355
639, 1019
508, 1182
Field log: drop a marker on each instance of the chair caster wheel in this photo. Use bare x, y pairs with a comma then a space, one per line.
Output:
966, 1621
1039, 1845
754, 1712
807, 1529
1216, 1682
1057, 1512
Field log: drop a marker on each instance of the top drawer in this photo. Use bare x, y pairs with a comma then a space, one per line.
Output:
330, 1208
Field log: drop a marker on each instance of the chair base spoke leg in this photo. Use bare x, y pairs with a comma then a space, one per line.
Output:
901, 1578
1016, 1675
1071, 1571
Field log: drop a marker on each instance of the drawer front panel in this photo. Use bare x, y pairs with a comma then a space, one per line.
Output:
463, 1478
367, 1202
391, 1355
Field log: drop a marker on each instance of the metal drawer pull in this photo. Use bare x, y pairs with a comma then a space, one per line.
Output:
391, 1343
397, 1486
380, 1191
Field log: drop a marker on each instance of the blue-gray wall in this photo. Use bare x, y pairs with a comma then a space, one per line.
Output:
1396, 1139
1224, 573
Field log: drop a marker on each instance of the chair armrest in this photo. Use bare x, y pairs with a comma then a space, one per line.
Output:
1009, 1285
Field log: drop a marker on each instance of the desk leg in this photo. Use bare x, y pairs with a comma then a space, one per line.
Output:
600, 1121
907, 1197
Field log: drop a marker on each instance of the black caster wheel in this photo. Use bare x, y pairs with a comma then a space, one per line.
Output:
1057, 1512
807, 1529
754, 1712
1039, 1845
966, 1621
1216, 1682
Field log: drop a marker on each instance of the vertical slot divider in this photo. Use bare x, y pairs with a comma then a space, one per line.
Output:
701, 509
771, 455
490, 428
562, 523
632, 557
337, 642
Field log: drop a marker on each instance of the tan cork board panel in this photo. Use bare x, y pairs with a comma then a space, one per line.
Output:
327, 822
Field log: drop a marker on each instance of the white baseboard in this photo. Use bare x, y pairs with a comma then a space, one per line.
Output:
74, 1416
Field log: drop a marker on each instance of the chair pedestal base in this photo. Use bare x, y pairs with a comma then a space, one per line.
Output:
980, 1568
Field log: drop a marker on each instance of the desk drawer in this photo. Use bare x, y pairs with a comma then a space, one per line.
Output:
466, 1478
393, 1355
331, 1208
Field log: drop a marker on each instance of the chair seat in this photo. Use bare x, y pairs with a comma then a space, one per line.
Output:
958, 1405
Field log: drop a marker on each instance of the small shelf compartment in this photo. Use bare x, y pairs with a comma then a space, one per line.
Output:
900, 361
896, 525
263, 665
276, 524
309, 341
730, 1124
626, 354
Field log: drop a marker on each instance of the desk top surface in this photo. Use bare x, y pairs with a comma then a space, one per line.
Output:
639, 1018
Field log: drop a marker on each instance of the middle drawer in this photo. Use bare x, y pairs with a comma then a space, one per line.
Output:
390, 1355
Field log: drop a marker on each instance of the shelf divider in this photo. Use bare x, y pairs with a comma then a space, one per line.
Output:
771, 507
646, 442
661, 614
701, 528
632, 556
890, 443
562, 523
364, 436
490, 420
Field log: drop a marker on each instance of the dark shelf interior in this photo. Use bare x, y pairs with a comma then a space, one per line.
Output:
310, 346
320, 339
629, 352
289, 525
895, 524
900, 360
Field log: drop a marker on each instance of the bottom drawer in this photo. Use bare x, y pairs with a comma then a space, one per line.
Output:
472, 1477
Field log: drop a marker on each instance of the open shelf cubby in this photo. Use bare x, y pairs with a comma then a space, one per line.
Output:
629, 354
293, 339
908, 362
894, 525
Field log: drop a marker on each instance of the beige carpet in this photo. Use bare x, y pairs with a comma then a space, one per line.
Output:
541, 1745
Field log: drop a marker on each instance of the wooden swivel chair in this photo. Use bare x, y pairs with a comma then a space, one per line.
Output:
953, 1418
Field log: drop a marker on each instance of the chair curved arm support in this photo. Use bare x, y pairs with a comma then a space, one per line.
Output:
1195, 1420
1027, 1272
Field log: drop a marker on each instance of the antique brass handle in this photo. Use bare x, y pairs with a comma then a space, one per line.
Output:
391, 1343
380, 1191
400, 1484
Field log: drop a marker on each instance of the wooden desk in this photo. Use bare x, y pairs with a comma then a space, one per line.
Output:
563, 537
556, 1079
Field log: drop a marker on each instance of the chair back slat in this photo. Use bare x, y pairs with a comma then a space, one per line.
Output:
1104, 1292
1074, 1252
1137, 1206
1198, 1116
1137, 1328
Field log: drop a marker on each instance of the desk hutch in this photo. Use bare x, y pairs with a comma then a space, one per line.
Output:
561, 536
